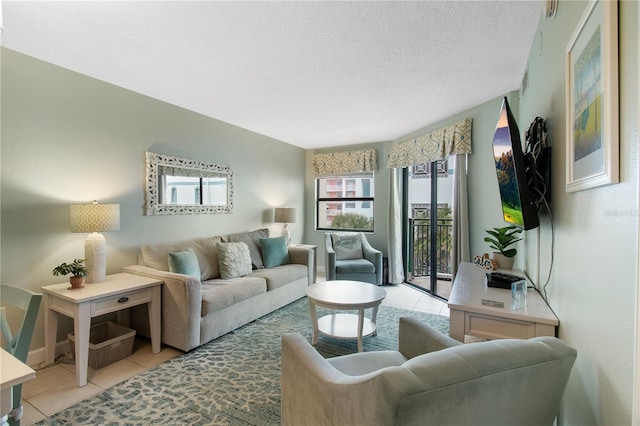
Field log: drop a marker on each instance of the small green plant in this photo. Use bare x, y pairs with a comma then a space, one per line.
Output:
503, 238
76, 268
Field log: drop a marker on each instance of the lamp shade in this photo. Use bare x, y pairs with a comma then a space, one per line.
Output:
285, 215
95, 217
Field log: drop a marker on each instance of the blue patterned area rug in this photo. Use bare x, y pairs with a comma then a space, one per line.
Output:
233, 380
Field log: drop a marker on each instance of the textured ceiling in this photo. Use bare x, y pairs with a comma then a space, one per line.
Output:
312, 74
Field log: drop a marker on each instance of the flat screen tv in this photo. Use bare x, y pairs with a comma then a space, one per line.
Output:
517, 206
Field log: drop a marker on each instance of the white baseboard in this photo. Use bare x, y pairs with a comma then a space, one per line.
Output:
37, 356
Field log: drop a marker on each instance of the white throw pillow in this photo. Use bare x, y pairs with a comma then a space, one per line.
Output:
347, 246
234, 260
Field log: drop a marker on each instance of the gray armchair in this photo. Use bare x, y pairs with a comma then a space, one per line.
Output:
351, 257
431, 379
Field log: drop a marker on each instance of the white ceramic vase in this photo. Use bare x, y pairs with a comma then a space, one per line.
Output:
503, 261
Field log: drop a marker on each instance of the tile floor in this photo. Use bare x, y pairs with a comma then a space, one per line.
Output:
55, 389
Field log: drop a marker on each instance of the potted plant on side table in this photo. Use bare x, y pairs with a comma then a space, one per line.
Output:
501, 239
77, 270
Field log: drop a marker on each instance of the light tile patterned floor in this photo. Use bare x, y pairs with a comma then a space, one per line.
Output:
55, 389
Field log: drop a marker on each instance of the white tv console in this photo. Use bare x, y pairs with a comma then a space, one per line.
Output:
471, 311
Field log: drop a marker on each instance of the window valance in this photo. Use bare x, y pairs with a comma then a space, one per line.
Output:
437, 145
341, 163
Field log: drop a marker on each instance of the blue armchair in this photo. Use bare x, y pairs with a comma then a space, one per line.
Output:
349, 256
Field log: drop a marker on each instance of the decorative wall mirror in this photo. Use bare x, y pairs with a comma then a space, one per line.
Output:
183, 186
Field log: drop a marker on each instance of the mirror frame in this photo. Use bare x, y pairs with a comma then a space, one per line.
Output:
153, 164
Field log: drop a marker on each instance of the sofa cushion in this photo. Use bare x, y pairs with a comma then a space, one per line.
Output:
355, 266
252, 240
274, 251
219, 294
184, 262
207, 251
347, 246
280, 276
367, 362
234, 260
156, 256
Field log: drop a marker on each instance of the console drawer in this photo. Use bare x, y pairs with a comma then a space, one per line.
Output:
497, 328
120, 301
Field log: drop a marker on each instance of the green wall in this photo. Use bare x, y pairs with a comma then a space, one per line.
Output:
594, 278
68, 138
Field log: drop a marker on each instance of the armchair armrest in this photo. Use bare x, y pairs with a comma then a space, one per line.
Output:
181, 306
303, 256
329, 258
374, 256
416, 338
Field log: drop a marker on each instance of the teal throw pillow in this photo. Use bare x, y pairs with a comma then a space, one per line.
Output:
274, 252
184, 262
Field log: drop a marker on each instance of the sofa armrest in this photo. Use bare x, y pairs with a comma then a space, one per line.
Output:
417, 338
181, 306
303, 256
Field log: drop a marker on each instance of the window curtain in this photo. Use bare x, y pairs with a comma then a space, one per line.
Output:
454, 139
461, 248
344, 163
394, 231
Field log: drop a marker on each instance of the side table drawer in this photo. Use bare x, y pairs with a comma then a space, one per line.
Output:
120, 301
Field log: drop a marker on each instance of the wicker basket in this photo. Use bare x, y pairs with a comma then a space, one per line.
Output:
108, 343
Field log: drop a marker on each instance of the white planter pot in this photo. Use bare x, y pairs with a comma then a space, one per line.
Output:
503, 261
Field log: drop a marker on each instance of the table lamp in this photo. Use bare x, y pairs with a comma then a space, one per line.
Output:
285, 215
95, 218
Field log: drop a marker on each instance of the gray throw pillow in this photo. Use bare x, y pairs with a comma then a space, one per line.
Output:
252, 240
234, 260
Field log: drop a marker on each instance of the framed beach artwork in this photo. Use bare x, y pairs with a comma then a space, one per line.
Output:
592, 99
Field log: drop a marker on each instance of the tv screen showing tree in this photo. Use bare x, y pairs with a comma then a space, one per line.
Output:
511, 170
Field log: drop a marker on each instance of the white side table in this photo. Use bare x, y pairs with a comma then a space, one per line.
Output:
12, 373
117, 292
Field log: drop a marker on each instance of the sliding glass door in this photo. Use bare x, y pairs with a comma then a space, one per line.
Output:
429, 220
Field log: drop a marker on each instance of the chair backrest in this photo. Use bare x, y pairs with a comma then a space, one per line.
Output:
347, 245
28, 302
501, 382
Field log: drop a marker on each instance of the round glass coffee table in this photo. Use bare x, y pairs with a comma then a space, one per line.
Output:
345, 296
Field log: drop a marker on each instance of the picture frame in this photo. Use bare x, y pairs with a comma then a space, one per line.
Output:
592, 99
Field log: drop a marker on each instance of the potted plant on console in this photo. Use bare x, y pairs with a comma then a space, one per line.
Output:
77, 270
501, 239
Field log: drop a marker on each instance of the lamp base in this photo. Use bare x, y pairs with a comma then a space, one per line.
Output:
95, 258
286, 235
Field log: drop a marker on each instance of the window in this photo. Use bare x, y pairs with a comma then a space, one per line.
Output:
345, 202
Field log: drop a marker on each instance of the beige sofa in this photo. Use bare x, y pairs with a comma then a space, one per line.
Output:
431, 380
196, 310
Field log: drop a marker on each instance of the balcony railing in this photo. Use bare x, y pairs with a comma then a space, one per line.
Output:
420, 243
